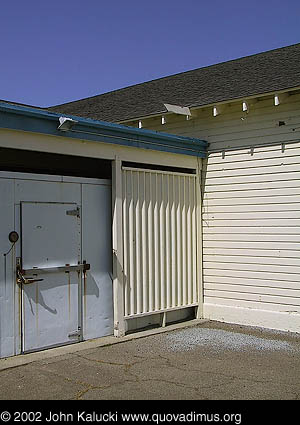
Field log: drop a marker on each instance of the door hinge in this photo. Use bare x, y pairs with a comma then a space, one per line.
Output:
75, 212
75, 334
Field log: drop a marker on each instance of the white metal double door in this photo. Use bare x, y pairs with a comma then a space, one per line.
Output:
51, 284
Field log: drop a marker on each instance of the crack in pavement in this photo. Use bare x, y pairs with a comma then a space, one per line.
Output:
108, 362
222, 374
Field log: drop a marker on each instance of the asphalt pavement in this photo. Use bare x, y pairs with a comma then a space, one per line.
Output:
197, 360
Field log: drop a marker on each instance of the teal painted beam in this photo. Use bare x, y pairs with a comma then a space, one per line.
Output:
18, 117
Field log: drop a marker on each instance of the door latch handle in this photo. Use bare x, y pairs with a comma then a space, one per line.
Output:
25, 281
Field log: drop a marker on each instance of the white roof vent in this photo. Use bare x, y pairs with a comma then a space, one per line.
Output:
181, 110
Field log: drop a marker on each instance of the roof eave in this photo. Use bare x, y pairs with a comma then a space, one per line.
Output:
40, 121
197, 106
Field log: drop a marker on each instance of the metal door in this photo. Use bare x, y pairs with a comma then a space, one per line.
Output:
49, 272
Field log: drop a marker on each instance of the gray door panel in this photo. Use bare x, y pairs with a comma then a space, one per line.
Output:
50, 308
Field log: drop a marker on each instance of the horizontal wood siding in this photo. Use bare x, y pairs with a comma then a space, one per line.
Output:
251, 241
251, 203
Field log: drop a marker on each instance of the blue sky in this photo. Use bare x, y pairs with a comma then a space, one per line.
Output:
62, 50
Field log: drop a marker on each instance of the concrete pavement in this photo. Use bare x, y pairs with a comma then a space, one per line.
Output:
199, 360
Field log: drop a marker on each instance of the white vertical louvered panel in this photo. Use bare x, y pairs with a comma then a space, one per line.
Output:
160, 243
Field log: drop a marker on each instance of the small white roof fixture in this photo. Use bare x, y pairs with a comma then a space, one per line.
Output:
181, 110
65, 123
218, 109
280, 98
245, 106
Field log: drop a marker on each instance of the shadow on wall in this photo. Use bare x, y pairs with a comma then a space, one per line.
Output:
35, 294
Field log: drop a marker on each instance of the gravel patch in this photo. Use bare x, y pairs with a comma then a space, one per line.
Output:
220, 340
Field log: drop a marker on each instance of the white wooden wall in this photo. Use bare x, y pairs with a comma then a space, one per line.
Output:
251, 229
251, 211
160, 241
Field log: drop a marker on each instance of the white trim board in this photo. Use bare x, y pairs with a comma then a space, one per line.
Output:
279, 320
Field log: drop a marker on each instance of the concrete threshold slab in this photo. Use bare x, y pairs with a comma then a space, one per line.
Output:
23, 359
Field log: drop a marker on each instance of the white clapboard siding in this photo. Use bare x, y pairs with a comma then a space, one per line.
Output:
252, 260
281, 179
220, 265
247, 282
259, 153
283, 246
249, 183
263, 215
266, 230
251, 237
251, 229
258, 290
244, 208
258, 161
258, 305
276, 253
257, 301
160, 242
284, 171
250, 274
251, 191
287, 200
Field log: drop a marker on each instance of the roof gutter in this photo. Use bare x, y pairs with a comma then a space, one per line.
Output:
17, 117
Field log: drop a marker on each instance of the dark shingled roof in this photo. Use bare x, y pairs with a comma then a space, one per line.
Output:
266, 72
